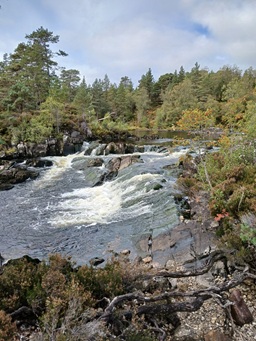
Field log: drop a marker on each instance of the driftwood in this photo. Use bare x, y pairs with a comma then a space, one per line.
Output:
209, 261
200, 296
154, 305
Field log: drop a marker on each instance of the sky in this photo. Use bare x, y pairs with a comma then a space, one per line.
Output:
127, 37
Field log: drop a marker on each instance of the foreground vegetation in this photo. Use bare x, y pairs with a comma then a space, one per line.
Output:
56, 301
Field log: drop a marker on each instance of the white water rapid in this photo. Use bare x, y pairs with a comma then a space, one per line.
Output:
62, 211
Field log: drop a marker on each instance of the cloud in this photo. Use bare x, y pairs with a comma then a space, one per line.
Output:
122, 38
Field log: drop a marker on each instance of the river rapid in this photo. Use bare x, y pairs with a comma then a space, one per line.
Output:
61, 212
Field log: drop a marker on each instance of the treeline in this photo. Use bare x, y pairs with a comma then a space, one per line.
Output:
38, 98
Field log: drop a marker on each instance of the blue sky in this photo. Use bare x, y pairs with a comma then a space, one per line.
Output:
127, 37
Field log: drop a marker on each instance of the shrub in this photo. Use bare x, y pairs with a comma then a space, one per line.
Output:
102, 282
17, 280
8, 329
248, 234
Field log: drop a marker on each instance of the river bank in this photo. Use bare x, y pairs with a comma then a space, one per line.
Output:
177, 255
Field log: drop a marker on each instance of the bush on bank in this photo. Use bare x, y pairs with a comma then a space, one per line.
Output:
229, 176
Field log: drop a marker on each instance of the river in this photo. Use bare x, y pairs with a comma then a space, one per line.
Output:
60, 212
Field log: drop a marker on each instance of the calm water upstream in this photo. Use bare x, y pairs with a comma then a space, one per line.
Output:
61, 212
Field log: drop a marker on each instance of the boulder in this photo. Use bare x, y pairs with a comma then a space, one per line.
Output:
35, 150
115, 148
21, 147
16, 175
219, 269
114, 164
68, 148
94, 176
125, 252
81, 163
39, 163
128, 160
5, 187
91, 147
96, 261
239, 310
54, 147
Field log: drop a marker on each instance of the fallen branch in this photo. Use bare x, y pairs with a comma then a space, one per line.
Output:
146, 307
209, 261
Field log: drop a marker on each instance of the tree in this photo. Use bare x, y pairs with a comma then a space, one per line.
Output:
182, 74
18, 98
56, 109
147, 82
83, 102
175, 100
43, 38
160, 86
33, 64
142, 102
100, 103
69, 81
126, 83
195, 120
196, 76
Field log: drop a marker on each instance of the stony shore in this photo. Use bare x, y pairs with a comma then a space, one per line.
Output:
175, 249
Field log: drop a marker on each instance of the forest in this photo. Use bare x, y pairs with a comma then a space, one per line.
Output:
39, 98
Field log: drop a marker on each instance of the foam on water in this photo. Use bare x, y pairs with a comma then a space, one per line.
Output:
101, 204
87, 205
60, 165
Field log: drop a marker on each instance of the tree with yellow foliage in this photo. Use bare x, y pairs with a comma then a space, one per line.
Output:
196, 119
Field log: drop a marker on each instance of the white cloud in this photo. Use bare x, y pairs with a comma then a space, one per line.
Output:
126, 38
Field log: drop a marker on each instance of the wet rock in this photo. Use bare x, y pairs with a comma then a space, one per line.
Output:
16, 175
155, 186
94, 176
81, 163
126, 161
115, 148
96, 261
25, 258
91, 147
239, 311
129, 149
97, 162
38, 163
5, 187
184, 208
114, 164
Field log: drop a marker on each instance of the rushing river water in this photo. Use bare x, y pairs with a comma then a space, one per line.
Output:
61, 212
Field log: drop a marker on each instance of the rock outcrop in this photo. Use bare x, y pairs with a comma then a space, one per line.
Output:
14, 174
